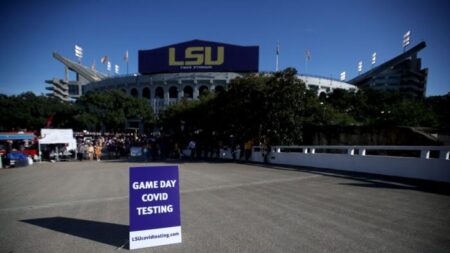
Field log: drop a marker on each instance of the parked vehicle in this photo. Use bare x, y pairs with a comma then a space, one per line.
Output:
16, 147
15, 159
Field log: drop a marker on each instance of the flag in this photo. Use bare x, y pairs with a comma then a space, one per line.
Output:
125, 57
93, 65
308, 54
49, 122
104, 60
278, 48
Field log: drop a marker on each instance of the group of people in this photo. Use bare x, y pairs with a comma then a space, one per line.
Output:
154, 148
89, 151
56, 152
112, 146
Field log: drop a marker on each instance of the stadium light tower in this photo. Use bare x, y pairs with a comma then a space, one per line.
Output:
78, 53
360, 66
406, 39
374, 58
116, 69
343, 76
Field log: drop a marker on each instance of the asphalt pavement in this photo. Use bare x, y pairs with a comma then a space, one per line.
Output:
225, 207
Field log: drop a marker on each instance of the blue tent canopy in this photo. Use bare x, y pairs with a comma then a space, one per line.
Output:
14, 136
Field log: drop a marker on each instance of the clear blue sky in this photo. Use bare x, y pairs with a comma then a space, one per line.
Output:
338, 34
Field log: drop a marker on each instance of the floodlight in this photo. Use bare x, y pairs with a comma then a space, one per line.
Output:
343, 76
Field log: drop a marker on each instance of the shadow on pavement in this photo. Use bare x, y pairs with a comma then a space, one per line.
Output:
373, 184
169, 161
362, 179
369, 180
103, 232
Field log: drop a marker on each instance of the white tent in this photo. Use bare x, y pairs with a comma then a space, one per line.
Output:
58, 136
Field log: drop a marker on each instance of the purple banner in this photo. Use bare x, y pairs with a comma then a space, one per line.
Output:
199, 56
154, 206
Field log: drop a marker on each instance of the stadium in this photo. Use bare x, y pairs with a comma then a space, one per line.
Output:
186, 70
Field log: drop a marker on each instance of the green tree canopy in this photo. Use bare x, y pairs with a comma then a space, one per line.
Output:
28, 111
111, 110
276, 106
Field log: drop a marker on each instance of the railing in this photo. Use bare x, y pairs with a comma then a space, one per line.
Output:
423, 152
419, 162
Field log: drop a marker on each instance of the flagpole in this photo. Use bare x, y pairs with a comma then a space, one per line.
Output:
126, 59
276, 64
307, 59
278, 52
306, 64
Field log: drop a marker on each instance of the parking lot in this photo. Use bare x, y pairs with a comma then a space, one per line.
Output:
225, 207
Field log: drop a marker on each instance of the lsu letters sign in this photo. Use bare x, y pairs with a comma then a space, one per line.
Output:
199, 56
154, 206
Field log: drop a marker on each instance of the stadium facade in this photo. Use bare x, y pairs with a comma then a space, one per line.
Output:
186, 70
402, 73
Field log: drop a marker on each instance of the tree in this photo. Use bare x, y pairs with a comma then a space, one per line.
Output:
28, 111
241, 111
111, 110
371, 107
286, 102
255, 105
440, 106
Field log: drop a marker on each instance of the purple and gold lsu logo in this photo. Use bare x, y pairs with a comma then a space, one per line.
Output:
197, 56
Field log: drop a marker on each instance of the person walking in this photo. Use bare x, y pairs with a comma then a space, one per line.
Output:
265, 146
191, 147
90, 151
248, 149
80, 151
98, 151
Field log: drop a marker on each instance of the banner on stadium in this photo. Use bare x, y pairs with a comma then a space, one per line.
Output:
199, 56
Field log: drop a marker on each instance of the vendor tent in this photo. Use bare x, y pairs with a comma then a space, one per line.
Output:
58, 136
5, 136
